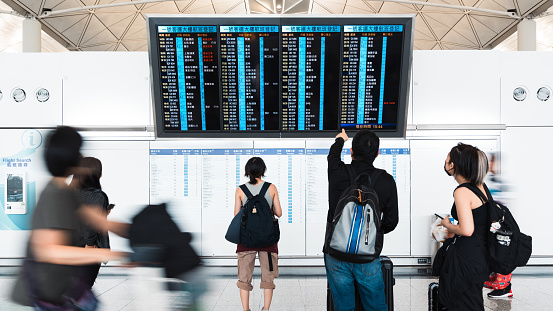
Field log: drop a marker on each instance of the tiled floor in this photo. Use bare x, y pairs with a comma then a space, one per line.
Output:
303, 289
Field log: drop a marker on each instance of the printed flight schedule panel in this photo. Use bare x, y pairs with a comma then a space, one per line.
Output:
250, 77
310, 84
371, 71
188, 60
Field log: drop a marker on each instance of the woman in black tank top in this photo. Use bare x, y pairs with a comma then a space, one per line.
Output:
465, 267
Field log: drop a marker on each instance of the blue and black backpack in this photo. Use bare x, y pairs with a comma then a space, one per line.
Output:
355, 233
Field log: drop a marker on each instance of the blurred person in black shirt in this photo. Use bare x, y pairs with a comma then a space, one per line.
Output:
52, 270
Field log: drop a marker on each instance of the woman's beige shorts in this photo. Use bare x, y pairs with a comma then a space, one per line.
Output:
246, 262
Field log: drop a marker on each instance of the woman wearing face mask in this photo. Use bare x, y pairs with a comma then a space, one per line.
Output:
465, 268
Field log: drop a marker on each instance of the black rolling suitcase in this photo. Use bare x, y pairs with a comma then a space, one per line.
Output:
389, 282
433, 296
433, 301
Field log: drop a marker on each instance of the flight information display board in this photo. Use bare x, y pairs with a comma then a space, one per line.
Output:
279, 76
189, 77
310, 87
250, 77
371, 69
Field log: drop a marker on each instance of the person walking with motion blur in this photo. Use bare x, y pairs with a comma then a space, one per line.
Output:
87, 181
51, 278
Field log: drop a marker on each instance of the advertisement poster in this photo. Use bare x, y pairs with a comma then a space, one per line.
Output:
22, 170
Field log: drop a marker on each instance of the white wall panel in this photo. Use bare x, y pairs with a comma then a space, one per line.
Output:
106, 89
30, 72
532, 72
431, 188
526, 172
456, 87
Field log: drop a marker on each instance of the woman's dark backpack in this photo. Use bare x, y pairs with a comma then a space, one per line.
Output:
508, 248
259, 228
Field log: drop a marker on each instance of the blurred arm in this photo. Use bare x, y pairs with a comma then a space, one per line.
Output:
96, 218
49, 245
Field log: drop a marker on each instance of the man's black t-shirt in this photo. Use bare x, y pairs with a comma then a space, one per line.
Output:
338, 181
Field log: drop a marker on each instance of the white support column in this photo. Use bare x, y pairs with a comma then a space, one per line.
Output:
526, 33
31, 35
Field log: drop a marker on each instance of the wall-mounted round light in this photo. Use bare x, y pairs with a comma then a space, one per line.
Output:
42, 95
520, 93
544, 93
18, 95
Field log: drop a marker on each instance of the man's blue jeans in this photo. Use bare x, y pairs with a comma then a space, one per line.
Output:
342, 277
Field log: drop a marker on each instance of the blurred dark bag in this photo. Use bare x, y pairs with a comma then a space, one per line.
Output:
233, 231
154, 234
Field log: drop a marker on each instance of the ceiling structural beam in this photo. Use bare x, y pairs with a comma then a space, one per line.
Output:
15, 13
457, 7
440, 5
93, 7
266, 7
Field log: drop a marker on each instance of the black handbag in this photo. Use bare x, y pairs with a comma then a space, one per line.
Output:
233, 231
440, 256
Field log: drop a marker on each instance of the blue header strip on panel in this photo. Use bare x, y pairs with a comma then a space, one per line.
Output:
373, 28
267, 151
279, 151
186, 29
322, 28
175, 151
227, 152
317, 151
249, 28
392, 151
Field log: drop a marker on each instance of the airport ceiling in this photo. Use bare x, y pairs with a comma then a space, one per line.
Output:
120, 25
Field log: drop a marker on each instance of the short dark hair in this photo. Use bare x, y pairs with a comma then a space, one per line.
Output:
255, 168
365, 146
469, 162
62, 151
89, 173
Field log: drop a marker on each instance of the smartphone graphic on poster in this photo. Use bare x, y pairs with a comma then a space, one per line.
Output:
15, 193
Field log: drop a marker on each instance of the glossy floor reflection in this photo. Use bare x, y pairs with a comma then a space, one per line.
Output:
303, 289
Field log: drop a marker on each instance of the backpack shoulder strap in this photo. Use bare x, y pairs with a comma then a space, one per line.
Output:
372, 177
476, 191
351, 173
375, 175
246, 191
264, 189
488, 193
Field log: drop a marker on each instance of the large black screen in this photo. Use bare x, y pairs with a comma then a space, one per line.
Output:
249, 77
293, 76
